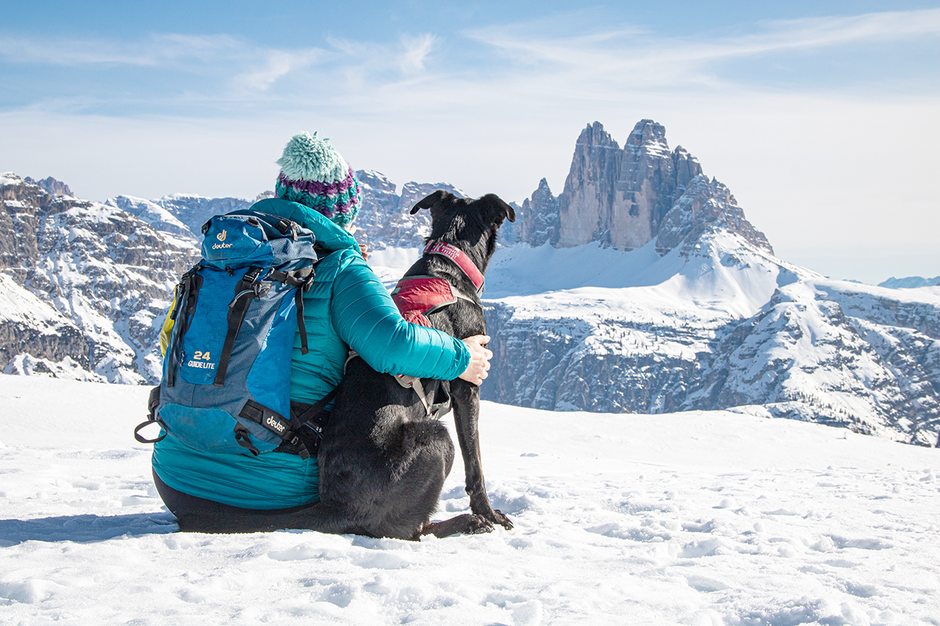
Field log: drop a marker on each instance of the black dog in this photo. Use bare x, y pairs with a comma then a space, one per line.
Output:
384, 459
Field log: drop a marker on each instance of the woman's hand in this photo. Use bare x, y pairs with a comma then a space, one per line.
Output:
480, 357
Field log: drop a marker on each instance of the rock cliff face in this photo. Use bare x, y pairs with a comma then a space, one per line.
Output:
51, 186
703, 316
86, 284
384, 219
706, 206
539, 221
618, 197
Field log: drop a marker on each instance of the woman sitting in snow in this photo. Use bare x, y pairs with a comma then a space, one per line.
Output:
347, 305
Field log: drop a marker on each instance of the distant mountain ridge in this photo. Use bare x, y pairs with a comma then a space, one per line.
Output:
383, 220
641, 288
51, 186
85, 286
910, 282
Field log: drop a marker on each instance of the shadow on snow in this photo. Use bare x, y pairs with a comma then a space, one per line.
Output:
85, 528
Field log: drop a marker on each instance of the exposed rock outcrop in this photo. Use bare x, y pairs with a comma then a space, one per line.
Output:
618, 197
384, 219
542, 213
51, 186
92, 284
706, 206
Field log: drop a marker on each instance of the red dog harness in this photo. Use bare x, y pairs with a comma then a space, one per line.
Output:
417, 296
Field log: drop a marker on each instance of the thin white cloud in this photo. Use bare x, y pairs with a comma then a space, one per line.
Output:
362, 58
152, 51
599, 68
278, 64
629, 55
417, 49
827, 31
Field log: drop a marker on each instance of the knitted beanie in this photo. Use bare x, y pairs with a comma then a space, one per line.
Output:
314, 174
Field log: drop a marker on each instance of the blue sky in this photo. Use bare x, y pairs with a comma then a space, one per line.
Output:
822, 117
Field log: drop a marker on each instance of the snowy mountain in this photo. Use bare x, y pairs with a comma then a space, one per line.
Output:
87, 284
178, 214
729, 326
640, 288
696, 518
700, 315
84, 286
910, 282
383, 220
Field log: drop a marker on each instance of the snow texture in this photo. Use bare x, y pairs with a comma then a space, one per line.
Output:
701, 519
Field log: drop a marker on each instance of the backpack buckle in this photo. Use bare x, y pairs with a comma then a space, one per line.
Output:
261, 289
252, 275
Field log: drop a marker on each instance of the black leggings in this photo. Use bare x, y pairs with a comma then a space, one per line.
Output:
205, 516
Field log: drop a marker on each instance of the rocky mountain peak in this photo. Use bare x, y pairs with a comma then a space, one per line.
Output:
384, 218
706, 206
649, 136
51, 186
540, 216
376, 180
543, 191
594, 135
622, 197
89, 282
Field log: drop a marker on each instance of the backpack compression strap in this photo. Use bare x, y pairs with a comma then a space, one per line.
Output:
247, 289
251, 287
301, 433
182, 314
302, 279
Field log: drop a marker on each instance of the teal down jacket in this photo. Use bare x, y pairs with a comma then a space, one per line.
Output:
346, 306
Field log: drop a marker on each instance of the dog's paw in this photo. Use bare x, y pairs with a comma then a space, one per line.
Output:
477, 525
466, 524
502, 520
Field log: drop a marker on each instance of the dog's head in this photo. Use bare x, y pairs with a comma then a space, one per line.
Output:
465, 220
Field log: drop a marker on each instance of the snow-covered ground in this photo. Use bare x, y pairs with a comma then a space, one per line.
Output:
694, 518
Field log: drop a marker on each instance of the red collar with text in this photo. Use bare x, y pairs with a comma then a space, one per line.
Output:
457, 255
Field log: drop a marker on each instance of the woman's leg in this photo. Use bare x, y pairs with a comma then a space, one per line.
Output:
205, 516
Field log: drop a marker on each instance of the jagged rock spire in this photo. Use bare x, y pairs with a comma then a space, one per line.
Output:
621, 197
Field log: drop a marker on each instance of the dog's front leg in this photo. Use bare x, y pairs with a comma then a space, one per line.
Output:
466, 402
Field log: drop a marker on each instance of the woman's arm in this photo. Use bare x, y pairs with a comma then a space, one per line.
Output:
366, 318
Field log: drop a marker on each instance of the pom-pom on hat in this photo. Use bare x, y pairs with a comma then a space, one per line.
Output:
314, 174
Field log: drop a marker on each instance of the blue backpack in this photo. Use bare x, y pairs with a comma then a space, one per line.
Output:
226, 372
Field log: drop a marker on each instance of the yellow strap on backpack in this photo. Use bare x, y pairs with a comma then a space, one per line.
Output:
167, 327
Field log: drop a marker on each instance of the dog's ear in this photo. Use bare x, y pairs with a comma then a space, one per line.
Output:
436, 198
503, 210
